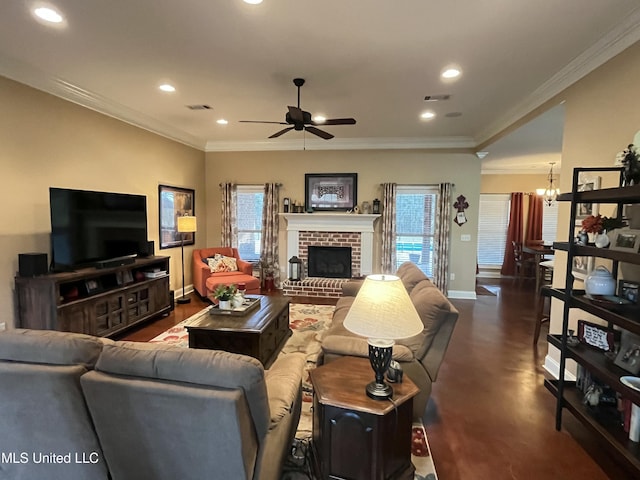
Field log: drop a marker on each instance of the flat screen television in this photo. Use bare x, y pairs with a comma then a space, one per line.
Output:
89, 227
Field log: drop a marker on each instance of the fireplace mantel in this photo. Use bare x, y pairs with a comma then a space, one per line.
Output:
333, 222
330, 222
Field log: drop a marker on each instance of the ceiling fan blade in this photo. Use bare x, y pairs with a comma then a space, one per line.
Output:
260, 121
318, 132
337, 121
296, 114
281, 132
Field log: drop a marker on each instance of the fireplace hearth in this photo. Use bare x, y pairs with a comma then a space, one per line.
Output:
329, 262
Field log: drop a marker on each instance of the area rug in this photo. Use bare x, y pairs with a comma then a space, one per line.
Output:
480, 290
308, 325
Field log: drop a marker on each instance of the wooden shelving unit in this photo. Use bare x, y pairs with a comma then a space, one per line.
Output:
601, 421
99, 302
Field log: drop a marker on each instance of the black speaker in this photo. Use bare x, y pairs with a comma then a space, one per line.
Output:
151, 249
32, 264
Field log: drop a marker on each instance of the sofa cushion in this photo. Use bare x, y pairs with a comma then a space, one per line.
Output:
411, 275
50, 347
432, 307
220, 263
201, 367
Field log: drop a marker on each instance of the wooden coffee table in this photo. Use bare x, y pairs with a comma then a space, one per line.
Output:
260, 333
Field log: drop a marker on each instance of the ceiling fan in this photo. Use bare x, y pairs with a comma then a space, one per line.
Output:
302, 120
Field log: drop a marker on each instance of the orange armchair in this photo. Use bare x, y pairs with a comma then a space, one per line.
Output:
204, 281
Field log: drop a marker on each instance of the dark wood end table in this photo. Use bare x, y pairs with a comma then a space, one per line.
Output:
260, 333
354, 436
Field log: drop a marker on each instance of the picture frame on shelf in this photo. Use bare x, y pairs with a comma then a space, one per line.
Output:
625, 240
582, 266
628, 290
92, 286
175, 202
596, 336
331, 191
124, 277
586, 183
628, 357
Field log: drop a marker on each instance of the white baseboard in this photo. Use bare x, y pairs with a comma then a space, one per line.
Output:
178, 292
486, 274
553, 368
461, 294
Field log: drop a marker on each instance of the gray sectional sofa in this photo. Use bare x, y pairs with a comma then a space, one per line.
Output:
80, 407
419, 356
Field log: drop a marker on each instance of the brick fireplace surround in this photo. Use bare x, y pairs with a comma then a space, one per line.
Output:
328, 229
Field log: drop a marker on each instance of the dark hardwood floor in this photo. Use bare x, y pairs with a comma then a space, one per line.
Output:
489, 416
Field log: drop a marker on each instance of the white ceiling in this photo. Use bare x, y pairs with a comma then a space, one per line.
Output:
373, 60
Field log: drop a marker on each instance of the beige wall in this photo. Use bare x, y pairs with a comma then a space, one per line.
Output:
46, 141
373, 168
491, 183
601, 119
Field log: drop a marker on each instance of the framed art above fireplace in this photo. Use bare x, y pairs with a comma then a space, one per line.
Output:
330, 191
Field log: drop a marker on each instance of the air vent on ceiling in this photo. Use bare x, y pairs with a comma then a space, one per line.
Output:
437, 98
453, 114
199, 107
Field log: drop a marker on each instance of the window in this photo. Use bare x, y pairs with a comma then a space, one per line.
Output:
493, 216
249, 214
415, 226
549, 222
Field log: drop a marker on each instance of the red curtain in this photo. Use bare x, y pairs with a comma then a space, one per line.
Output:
534, 220
514, 233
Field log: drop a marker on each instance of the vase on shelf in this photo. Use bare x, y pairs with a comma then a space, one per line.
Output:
583, 238
601, 239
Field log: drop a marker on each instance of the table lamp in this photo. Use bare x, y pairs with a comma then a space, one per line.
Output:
382, 311
186, 224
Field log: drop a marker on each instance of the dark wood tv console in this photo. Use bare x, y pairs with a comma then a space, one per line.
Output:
94, 301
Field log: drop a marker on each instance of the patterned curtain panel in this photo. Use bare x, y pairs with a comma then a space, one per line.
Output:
269, 249
443, 238
389, 227
229, 227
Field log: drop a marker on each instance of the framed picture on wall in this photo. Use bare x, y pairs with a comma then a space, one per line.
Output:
175, 202
587, 183
331, 191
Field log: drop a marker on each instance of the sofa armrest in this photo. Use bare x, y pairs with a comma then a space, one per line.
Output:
284, 381
200, 273
244, 267
351, 288
355, 346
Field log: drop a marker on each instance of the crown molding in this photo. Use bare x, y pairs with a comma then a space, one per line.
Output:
399, 143
40, 80
617, 40
513, 171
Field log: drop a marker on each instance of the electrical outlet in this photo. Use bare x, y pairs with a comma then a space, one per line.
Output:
465, 238
3, 325
453, 276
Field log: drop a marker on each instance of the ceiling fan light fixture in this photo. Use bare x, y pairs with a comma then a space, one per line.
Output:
319, 118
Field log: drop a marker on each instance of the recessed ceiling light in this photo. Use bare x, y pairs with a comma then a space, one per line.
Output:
222, 121
253, 2
165, 87
48, 15
428, 115
451, 72
319, 118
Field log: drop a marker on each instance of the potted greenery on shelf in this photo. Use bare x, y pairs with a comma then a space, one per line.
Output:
224, 294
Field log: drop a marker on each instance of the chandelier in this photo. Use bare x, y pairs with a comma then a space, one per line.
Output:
550, 193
